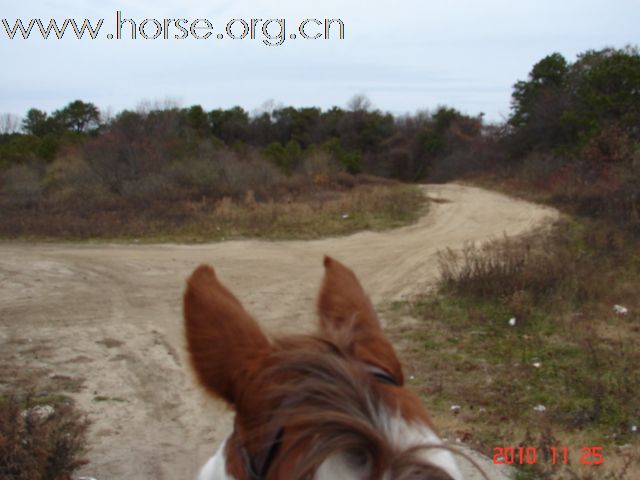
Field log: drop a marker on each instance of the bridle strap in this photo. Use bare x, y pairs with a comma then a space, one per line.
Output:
258, 467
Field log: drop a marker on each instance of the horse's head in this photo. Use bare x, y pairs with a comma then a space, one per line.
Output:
329, 406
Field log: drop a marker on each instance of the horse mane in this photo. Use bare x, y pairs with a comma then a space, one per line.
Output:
323, 382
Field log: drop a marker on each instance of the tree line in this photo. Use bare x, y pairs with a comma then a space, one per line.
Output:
358, 138
571, 124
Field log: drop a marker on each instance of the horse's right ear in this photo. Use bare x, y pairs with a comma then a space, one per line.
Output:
226, 345
344, 307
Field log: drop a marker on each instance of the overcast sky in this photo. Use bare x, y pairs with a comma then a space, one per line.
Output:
405, 55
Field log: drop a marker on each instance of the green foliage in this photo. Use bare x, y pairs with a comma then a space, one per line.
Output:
430, 143
562, 106
45, 134
286, 157
229, 125
443, 118
365, 130
78, 116
546, 76
359, 140
38, 123
351, 160
22, 148
295, 124
197, 119
608, 82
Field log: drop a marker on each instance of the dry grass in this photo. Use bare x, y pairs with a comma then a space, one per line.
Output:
505, 267
302, 212
567, 351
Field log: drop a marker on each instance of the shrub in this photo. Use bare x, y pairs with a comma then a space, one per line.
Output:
566, 264
501, 267
34, 447
70, 178
253, 174
320, 166
199, 173
21, 184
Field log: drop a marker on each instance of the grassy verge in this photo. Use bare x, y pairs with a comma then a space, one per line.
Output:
564, 373
305, 215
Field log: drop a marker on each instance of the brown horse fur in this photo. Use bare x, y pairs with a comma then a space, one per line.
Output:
318, 390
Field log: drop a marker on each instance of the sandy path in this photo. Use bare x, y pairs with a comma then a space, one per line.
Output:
68, 299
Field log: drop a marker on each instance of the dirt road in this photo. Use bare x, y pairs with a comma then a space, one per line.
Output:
111, 315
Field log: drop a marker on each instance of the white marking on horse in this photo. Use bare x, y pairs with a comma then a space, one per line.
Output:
216, 466
403, 436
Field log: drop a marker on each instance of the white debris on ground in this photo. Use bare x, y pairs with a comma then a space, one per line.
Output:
345, 216
540, 408
455, 409
39, 412
620, 310
512, 321
537, 364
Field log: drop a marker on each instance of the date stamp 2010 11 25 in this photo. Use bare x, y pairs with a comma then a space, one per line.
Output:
554, 455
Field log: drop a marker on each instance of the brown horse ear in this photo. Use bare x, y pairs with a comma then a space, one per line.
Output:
346, 311
226, 345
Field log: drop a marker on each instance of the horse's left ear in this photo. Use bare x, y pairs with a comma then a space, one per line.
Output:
346, 311
226, 345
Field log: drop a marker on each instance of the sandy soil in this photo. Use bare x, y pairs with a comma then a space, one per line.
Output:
111, 315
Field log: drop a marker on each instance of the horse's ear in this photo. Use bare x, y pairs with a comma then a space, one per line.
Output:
225, 343
345, 311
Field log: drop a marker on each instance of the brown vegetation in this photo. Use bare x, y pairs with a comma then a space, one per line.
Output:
294, 207
34, 446
520, 323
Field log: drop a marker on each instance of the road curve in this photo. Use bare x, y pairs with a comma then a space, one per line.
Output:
111, 316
